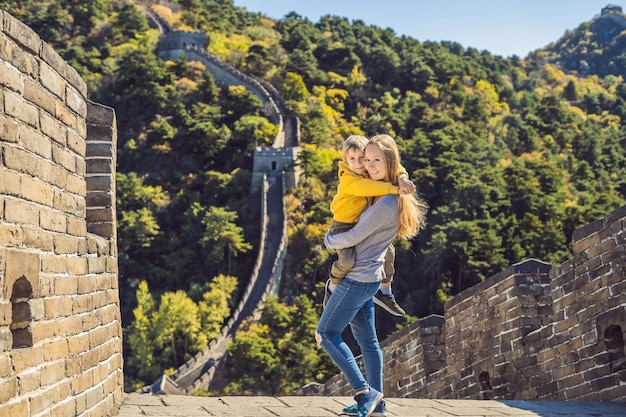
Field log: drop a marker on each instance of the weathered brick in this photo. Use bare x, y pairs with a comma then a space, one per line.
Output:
97, 265
44, 330
79, 344
53, 220
54, 129
8, 128
65, 409
37, 238
75, 100
22, 161
82, 303
39, 96
30, 382
55, 350
26, 358
8, 389
77, 227
76, 185
19, 408
11, 78
57, 307
63, 157
51, 80
53, 174
64, 244
36, 190
18, 108
43, 401
65, 115
65, 285
76, 143
11, 235
52, 372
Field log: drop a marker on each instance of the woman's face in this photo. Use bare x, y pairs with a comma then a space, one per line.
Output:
375, 163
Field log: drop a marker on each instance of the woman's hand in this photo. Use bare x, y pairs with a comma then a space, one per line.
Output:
406, 186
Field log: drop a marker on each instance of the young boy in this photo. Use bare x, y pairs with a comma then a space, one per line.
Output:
352, 192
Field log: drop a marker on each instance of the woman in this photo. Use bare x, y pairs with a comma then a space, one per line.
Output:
351, 301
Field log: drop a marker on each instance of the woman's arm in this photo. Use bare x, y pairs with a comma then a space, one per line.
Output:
372, 219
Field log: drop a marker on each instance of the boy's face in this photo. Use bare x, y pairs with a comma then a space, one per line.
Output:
354, 159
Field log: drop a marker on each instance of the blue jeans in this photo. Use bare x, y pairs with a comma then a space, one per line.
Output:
352, 303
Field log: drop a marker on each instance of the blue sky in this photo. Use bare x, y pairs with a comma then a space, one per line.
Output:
503, 27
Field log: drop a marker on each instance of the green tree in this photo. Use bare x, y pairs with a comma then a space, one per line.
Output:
216, 304
277, 354
165, 335
219, 237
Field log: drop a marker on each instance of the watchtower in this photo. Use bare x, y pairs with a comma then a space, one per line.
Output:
273, 161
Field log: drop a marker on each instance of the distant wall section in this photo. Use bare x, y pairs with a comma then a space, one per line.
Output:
60, 326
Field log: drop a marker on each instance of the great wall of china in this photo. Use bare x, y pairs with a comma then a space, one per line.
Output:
533, 331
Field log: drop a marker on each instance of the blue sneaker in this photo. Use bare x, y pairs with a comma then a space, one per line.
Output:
367, 402
379, 411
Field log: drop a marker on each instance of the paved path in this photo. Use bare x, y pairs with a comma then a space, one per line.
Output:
138, 405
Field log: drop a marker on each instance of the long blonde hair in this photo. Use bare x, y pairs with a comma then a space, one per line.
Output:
412, 213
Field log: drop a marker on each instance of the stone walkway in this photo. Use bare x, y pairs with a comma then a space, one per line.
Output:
138, 405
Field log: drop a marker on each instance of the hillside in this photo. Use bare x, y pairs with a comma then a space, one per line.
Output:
512, 155
597, 47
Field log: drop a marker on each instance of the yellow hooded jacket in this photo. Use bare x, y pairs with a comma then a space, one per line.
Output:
352, 193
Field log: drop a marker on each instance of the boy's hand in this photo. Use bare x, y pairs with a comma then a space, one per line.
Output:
406, 186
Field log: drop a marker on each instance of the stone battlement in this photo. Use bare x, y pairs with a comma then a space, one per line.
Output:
60, 325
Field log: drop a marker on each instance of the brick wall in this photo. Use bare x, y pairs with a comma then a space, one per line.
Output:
530, 332
60, 326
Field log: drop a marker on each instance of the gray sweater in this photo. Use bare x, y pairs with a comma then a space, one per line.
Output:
371, 236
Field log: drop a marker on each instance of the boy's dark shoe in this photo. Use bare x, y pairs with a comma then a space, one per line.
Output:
388, 302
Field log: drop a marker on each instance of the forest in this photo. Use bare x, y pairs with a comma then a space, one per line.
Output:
512, 154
